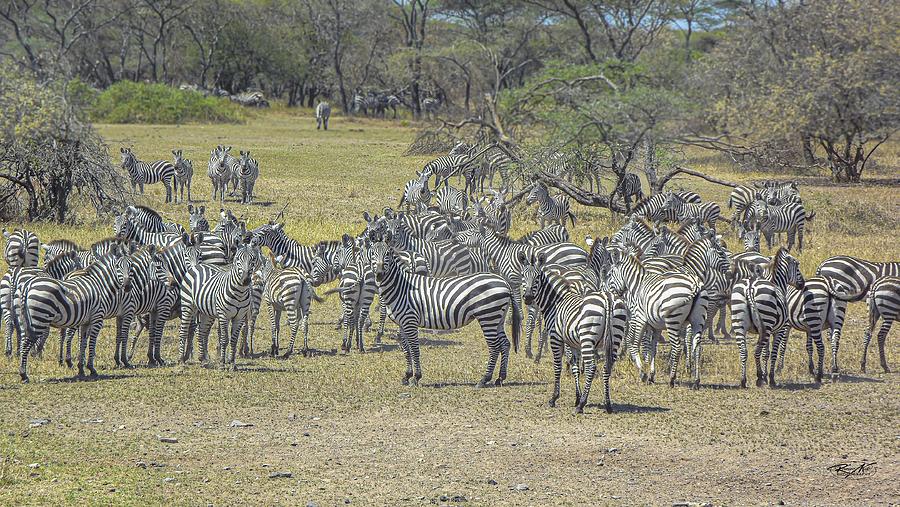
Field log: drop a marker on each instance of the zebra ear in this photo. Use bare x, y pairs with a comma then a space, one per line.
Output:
542, 258
367, 217
346, 240
191, 209
605, 241
185, 239
122, 149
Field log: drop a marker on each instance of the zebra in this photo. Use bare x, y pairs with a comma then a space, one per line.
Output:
209, 294
707, 212
356, 288
740, 200
451, 201
83, 300
416, 193
58, 247
590, 323
444, 257
392, 102
248, 173
444, 167
473, 173
184, 173
498, 162
790, 218
323, 113
884, 303
146, 218
850, 279
142, 173
257, 294
22, 248
653, 207
635, 231
430, 106
759, 304
668, 301
810, 310
288, 289
196, 220
777, 193
553, 209
628, 186
218, 172
56, 267
293, 253
445, 303
496, 213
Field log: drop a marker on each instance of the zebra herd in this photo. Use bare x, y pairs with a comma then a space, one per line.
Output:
445, 261
223, 169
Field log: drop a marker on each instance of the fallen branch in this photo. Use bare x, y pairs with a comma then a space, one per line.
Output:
684, 170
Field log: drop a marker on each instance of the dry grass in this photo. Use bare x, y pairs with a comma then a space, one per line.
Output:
346, 429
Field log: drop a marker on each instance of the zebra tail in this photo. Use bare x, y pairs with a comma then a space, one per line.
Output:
327, 293
516, 324
571, 217
29, 326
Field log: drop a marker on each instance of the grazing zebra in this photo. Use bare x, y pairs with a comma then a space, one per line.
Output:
884, 303
444, 167
628, 186
759, 304
777, 193
293, 253
83, 300
749, 236
497, 214
416, 193
668, 301
288, 290
451, 201
740, 200
184, 173
142, 173
590, 323
552, 209
148, 219
248, 172
22, 248
473, 173
789, 218
707, 212
445, 303
653, 208
209, 293
392, 102
197, 220
498, 162
323, 113
810, 310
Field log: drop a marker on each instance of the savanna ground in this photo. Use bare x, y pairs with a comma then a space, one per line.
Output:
348, 432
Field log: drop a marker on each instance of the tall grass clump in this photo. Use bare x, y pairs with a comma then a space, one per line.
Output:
130, 102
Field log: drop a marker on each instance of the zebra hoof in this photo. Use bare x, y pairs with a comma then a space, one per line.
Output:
862, 368
305, 352
93, 373
528, 354
414, 382
481, 384
818, 378
69, 364
25, 379
696, 385
499, 382
759, 382
578, 410
405, 381
286, 355
551, 404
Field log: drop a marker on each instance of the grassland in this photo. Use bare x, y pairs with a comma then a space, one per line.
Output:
349, 433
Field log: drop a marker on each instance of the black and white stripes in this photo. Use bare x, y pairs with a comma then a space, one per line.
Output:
141, 173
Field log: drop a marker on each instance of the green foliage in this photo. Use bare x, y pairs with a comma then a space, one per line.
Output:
130, 102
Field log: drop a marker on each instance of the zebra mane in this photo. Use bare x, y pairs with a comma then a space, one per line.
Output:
71, 254
107, 241
64, 243
640, 205
149, 211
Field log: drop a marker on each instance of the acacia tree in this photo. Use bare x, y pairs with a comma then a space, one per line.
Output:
823, 71
413, 18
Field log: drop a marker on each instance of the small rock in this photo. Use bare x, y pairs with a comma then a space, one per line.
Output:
35, 423
311, 504
521, 487
226, 468
278, 475
112, 490
239, 424
404, 395
316, 418
492, 482
92, 421
615, 497
141, 464
167, 440
444, 498
292, 417
347, 500
305, 433
198, 424
459, 499
34, 465
121, 426
763, 412
612, 450
491, 442
169, 479
768, 484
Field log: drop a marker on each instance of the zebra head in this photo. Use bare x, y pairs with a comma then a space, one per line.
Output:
191, 252
375, 227
246, 259
183, 166
538, 194
615, 280
531, 274
128, 158
471, 238
600, 258
117, 264
749, 236
197, 221
323, 268
785, 269
382, 258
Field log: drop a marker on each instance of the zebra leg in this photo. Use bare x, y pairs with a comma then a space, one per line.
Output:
293, 324
190, 199
223, 342
203, 329
94, 330
653, 342
763, 342
168, 185
407, 352
492, 339
529, 331
632, 340
83, 342
696, 353
809, 352
62, 340
275, 322
305, 322
28, 343
413, 339
154, 352
590, 369
382, 309
70, 335
502, 342
572, 356
184, 334
8, 325
882, 338
790, 239
741, 338
360, 324
676, 343
820, 349
779, 337
782, 350
722, 326
237, 323
140, 327
556, 348
542, 339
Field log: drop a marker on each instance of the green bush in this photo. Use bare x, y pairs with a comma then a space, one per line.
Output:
130, 102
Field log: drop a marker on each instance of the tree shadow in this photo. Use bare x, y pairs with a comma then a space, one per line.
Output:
441, 385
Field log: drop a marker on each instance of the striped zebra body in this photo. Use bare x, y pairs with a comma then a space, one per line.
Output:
430, 106
884, 304
811, 310
789, 218
668, 301
219, 171
552, 209
146, 218
635, 231
294, 254
323, 114
588, 322
740, 200
444, 257
685, 212
759, 304
288, 290
774, 192
392, 103
83, 300
498, 215
473, 173
451, 201
357, 290
654, 208
248, 172
22, 248
421, 225
445, 303
416, 193
628, 186
444, 167
209, 293
141, 173
184, 173
57, 268
498, 162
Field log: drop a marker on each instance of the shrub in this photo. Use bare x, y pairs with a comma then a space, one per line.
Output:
130, 102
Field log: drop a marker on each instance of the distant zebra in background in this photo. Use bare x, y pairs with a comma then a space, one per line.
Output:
219, 171
22, 248
430, 106
248, 173
884, 303
628, 186
142, 173
550, 209
685, 212
323, 113
444, 167
184, 173
653, 208
392, 102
